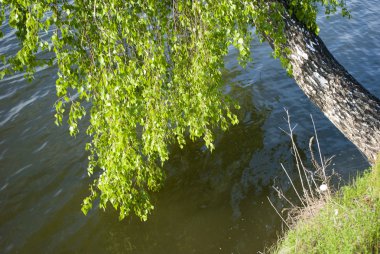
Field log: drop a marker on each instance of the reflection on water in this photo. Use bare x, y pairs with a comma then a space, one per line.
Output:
211, 202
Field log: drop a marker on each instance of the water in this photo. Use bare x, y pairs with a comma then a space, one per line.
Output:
211, 203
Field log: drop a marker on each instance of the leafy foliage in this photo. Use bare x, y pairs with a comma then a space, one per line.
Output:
148, 73
306, 11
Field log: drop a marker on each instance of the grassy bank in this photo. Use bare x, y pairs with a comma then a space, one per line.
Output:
348, 223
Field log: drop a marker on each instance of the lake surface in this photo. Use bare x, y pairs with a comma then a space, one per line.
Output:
211, 202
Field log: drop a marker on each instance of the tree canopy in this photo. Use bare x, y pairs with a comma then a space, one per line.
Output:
147, 72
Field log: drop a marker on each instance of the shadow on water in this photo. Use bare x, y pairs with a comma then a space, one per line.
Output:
209, 200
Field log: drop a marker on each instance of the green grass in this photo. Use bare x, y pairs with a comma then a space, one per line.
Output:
348, 223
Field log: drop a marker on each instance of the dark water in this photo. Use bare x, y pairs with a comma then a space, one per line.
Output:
211, 203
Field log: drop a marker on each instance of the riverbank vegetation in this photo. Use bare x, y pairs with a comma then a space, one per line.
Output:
347, 223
